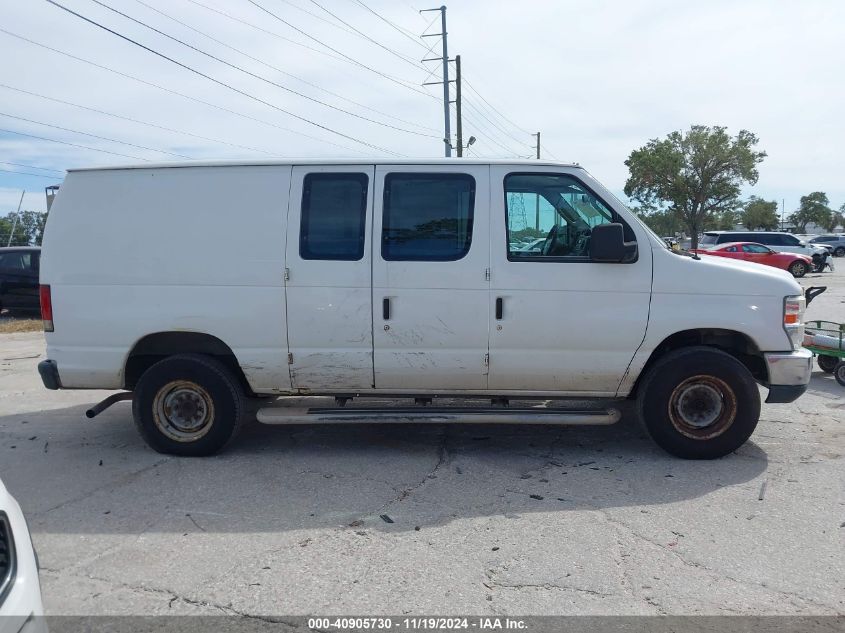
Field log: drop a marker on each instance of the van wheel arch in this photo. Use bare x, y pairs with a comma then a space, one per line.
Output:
739, 345
157, 346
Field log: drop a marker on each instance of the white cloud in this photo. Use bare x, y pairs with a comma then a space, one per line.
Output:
598, 79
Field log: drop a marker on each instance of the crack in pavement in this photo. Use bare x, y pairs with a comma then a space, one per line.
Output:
174, 596
700, 566
549, 586
111, 484
442, 459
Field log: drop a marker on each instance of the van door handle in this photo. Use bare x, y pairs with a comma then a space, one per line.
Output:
385, 308
499, 308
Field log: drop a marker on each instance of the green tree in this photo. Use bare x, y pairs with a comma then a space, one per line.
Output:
760, 214
664, 223
26, 228
695, 174
813, 208
835, 219
726, 220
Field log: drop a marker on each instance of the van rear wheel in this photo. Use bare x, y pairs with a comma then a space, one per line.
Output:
699, 403
189, 405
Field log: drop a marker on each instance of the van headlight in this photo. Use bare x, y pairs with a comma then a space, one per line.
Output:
793, 319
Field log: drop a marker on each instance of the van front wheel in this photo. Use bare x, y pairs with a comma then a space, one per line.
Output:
188, 405
699, 403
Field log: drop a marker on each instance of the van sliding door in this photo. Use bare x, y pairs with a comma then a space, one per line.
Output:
328, 261
431, 252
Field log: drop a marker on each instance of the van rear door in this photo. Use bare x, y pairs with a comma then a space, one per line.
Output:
430, 282
328, 261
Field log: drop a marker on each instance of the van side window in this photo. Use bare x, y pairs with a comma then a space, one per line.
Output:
551, 216
334, 212
427, 217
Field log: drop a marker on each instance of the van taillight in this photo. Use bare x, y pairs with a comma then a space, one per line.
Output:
46, 308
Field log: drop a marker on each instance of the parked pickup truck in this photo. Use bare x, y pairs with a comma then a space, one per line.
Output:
19, 278
217, 282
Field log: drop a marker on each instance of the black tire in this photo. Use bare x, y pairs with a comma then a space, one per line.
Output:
827, 363
839, 251
194, 386
798, 268
699, 376
839, 372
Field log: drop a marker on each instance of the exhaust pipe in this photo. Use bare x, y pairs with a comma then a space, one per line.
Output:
97, 409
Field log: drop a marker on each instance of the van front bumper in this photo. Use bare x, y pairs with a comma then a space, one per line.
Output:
789, 374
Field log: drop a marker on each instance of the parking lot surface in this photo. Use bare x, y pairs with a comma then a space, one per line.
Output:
428, 519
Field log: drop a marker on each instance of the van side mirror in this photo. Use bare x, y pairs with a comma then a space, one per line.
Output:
607, 243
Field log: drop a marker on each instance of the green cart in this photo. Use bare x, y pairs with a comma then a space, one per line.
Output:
826, 339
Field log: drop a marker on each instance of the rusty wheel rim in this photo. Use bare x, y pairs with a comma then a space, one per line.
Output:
183, 411
702, 407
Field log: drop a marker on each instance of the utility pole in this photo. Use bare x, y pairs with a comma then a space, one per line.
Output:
15, 222
447, 133
537, 210
458, 120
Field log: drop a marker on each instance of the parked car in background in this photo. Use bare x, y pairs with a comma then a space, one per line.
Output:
534, 246
836, 242
809, 239
776, 240
798, 265
19, 266
20, 590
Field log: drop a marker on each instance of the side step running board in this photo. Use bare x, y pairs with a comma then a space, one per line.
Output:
434, 415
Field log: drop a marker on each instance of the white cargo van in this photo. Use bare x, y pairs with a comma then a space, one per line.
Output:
196, 286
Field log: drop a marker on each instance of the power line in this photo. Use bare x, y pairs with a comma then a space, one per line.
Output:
404, 58
58, 171
131, 120
481, 112
398, 28
52, 140
26, 173
252, 74
488, 135
275, 68
217, 81
474, 106
478, 110
102, 138
318, 17
395, 80
176, 92
480, 96
263, 30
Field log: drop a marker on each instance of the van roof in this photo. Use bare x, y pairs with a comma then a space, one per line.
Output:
334, 161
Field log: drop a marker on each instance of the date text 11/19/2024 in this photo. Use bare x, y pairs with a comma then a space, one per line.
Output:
417, 623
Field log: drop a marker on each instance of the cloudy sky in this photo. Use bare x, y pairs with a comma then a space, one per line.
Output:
597, 78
